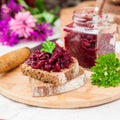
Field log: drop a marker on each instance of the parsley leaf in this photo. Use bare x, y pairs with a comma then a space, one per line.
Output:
106, 72
48, 46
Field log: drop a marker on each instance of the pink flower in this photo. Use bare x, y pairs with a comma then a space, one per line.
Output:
23, 24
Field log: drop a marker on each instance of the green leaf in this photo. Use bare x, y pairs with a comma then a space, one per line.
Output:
23, 3
106, 72
48, 16
34, 11
55, 10
48, 46
40, 5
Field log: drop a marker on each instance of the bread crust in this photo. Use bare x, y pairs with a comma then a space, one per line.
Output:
41, 89
56, 78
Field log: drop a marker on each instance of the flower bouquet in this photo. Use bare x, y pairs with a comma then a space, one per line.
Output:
19, 22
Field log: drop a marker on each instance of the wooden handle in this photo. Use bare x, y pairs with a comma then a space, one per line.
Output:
13, 59
99, 6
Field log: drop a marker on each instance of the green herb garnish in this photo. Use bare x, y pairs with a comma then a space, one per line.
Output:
48, 46
106, 72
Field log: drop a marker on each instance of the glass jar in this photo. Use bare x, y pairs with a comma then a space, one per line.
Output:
89, 36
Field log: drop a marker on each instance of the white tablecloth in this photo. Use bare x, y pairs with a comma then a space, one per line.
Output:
10, 110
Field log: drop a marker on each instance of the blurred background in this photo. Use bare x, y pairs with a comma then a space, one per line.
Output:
62, 3
50, 4
59, 4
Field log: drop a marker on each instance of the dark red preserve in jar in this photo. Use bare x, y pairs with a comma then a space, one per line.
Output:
89, 36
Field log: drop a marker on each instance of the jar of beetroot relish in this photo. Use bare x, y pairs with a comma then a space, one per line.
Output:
89, 36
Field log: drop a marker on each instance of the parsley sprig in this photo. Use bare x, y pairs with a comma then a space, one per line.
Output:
106, 72
48, 46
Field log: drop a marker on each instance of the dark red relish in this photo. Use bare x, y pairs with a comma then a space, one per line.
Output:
55, 62
82, 46
87, 47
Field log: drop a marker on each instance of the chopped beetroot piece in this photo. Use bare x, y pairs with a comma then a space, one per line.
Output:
59, 59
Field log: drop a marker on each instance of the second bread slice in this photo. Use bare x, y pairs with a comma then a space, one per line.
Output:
40, 89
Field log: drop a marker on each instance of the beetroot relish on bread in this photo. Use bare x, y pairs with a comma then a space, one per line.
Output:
56, 61
57, 67
53, 73
56, 78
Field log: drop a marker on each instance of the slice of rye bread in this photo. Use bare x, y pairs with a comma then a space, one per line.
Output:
57, 78
40, 89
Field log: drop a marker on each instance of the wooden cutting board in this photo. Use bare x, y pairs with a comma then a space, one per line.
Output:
16, 87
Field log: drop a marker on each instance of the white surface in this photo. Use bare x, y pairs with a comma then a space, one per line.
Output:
10, 110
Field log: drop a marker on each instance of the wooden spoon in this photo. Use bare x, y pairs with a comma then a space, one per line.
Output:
99, 7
